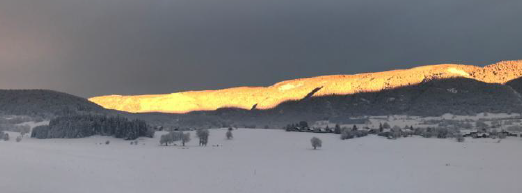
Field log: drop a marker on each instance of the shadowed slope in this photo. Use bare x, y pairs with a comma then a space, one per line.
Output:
292, 90
458, 96
516, 84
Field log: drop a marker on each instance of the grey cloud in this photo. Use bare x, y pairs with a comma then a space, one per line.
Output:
100, 47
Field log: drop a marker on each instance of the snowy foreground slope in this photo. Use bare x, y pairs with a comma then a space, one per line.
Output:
261, 161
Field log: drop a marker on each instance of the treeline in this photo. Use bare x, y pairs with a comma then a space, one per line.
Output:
79, 126
202, 134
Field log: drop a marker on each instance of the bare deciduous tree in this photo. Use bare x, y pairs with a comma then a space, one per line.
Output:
202, 134
185, 138
459, 137
316, 142
165, 139
229, 134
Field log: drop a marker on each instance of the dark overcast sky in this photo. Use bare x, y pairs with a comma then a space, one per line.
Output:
98, 47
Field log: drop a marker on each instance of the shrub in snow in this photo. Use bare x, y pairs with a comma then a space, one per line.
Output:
6, 137
360, 133
316, 142
19, 138
347, 134
427, 133
107, 142
337, 129
501, 135
459, 137
442, 133
418, 131
229, 135
452, 133
289, 127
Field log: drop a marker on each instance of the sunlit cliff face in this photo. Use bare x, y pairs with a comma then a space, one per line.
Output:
269, 97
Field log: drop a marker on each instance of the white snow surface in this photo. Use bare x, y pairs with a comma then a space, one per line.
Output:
261, 161
33, 124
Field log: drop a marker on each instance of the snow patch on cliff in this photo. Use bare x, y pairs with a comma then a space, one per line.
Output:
459, 72
289, 86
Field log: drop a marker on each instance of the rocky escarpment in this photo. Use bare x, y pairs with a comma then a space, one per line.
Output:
293, 90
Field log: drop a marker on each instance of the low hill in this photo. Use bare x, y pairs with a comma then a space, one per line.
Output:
44, 103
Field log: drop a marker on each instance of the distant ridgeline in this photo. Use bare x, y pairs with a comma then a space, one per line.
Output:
79, 126
270, 97
423, 91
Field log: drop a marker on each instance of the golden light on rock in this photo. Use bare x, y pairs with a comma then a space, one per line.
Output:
271, 96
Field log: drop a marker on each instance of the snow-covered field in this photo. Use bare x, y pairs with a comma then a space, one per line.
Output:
263, 161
